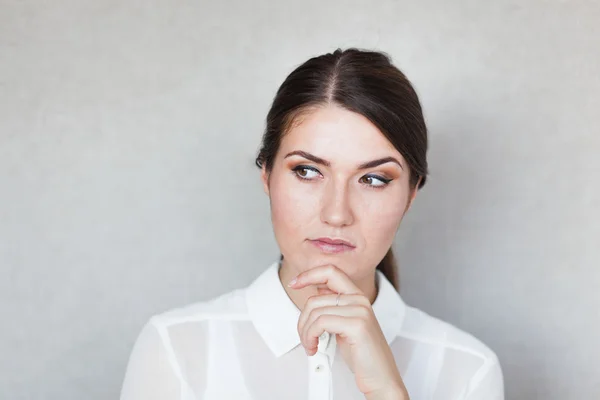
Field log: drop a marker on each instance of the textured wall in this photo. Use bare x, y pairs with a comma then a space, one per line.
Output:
128, 131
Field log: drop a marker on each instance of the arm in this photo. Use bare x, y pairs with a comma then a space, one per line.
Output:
150, 373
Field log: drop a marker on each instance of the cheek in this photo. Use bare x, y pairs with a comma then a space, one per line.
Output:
380, 218
293, 207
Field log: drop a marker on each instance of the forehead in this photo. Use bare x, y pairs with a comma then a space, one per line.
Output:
338, 135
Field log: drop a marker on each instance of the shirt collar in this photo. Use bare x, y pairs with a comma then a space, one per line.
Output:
275, 316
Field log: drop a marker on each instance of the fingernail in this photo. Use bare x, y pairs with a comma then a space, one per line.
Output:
292, 282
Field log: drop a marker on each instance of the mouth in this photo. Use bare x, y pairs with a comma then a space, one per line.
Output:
332, 246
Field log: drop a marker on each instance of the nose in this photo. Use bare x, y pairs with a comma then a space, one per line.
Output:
336, 209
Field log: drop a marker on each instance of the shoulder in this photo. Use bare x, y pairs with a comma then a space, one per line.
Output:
458, 361
422, 327
228, 306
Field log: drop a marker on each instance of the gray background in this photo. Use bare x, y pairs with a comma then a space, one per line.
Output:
128, 131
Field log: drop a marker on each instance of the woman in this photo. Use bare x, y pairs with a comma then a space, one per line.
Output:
342, 159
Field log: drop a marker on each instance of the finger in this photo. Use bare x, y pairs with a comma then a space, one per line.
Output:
325, 290
334, 324
311, 342
315, 302
330, 275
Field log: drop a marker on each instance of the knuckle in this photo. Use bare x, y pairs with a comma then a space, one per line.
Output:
364, 311
319, 320
362, 300
330, 268
314, 314
311, 301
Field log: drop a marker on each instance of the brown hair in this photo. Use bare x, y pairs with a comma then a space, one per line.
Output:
364, 82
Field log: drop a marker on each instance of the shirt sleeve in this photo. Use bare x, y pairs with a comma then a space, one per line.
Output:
150, 374
487, 383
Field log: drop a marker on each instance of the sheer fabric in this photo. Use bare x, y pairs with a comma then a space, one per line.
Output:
244, 345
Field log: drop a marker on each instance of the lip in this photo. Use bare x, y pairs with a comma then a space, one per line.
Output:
333, 246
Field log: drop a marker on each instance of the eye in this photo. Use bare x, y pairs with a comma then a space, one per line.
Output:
306, 172
374, 181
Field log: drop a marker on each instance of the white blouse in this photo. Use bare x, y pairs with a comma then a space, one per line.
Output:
244, 345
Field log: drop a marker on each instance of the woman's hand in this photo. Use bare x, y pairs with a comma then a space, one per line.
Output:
358, 334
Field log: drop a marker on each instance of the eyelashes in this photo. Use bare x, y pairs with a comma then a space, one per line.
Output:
308, 173
302, 172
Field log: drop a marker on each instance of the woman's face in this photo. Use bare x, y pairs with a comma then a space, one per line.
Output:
320, 187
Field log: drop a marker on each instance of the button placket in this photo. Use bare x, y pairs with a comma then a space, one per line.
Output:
323, 342
320, 371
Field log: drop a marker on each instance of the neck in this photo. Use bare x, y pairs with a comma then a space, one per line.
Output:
299, 296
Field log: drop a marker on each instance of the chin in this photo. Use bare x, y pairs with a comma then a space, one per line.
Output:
348, 265
304, 258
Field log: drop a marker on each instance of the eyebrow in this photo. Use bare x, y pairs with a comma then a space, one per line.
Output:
319, 160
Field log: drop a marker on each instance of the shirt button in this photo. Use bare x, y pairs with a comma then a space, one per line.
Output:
319, 368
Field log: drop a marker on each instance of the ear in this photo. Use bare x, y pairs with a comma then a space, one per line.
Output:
264, 177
